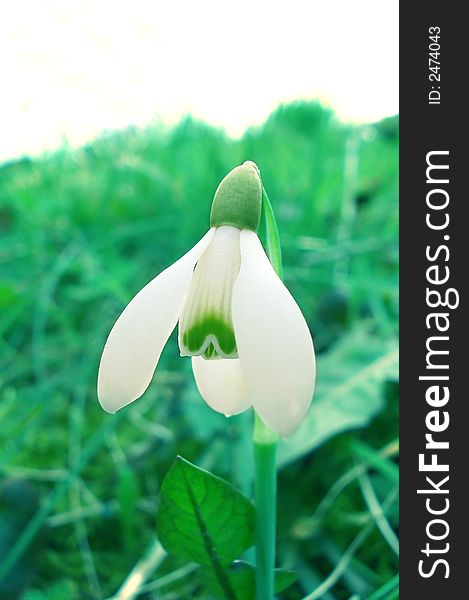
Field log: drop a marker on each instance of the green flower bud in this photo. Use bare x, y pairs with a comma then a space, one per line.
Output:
238, 199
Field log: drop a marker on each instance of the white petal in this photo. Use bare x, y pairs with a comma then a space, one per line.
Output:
274, 343
136, 341
206, 326
221, 385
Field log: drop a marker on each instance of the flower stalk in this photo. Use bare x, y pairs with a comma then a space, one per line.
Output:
265, 452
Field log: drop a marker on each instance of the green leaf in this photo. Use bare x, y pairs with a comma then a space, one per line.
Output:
348, 391
272, 238
242, 578
203, 518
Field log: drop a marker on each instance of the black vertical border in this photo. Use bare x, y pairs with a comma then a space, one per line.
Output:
423, 128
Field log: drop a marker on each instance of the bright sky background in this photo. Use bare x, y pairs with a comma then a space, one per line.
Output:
71, 68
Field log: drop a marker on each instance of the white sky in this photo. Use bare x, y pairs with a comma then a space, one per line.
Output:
71, 68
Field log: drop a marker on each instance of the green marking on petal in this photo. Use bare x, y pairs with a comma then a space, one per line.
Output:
214, 330
210, 352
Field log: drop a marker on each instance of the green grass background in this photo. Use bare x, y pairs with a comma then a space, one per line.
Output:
80, 233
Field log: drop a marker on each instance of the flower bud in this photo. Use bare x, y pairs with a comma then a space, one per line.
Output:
238, 199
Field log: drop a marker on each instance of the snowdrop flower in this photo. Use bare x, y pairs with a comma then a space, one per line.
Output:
249, 342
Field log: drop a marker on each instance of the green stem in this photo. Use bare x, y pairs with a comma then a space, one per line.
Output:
265, 447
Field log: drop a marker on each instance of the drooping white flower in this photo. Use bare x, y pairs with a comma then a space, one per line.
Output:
249, 342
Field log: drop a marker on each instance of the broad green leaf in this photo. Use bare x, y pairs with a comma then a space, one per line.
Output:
348, 392
242, 577
203, 518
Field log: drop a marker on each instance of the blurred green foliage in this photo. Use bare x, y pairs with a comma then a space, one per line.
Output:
80, 233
